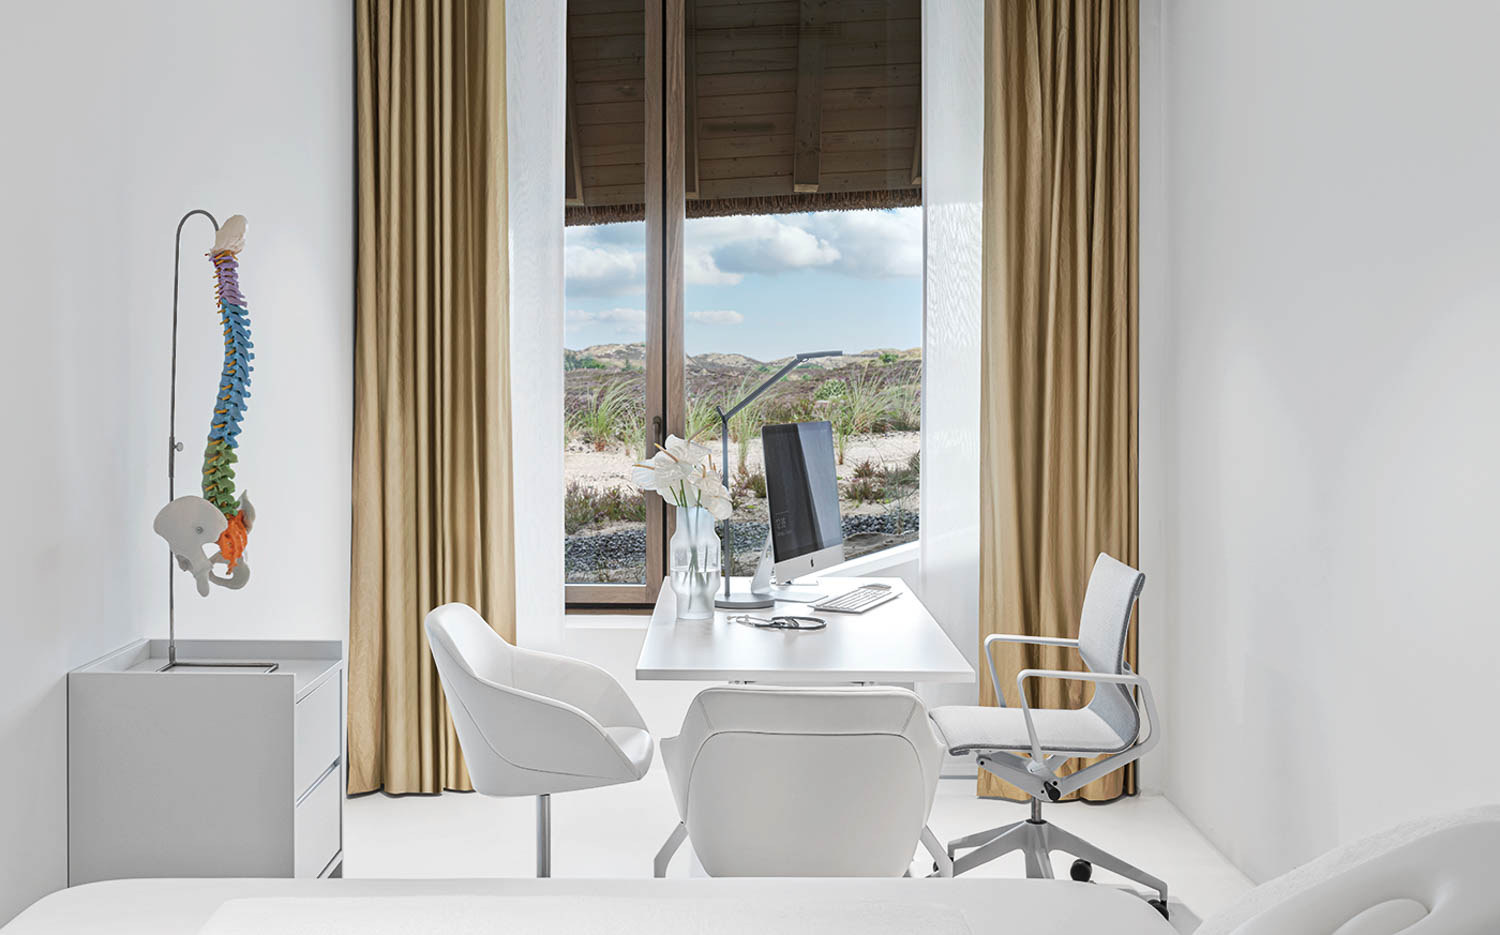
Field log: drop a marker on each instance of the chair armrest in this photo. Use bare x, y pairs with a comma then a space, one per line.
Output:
1128, 678
545, 734
993, 638
583, 685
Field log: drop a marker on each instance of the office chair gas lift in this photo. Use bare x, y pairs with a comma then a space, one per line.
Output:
1024, 746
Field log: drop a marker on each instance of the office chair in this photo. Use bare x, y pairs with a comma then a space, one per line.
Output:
533, 723
1024, 746
777, 781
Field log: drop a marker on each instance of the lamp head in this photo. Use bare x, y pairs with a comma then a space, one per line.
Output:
809, 355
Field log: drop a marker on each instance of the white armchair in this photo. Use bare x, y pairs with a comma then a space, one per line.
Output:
533, 723
793, 782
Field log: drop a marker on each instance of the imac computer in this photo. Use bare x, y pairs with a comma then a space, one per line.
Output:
802, 493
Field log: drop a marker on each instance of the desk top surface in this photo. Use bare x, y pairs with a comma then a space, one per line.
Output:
898, 641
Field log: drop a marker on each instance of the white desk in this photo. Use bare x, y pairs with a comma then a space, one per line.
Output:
895, 642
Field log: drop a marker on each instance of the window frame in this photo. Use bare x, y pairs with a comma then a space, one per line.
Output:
666, 214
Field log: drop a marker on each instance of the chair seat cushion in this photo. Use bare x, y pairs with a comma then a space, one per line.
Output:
967, 728
635, 744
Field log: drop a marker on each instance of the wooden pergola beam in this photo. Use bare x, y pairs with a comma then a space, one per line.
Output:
808, 152
690, 103
916, 152
573, 165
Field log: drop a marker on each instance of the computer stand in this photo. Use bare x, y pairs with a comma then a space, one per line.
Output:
757, 592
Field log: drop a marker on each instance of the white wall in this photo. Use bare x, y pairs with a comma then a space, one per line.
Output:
1155, 382
1335, 295
118, 119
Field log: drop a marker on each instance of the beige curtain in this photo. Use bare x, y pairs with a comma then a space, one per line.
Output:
432, 485
1058, 409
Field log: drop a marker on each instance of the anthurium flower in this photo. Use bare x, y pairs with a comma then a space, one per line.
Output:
667, 471
712, 495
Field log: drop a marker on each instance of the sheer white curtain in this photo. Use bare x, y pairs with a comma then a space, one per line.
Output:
536, 43
952, 191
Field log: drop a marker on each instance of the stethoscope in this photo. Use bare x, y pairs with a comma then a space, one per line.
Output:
780, 622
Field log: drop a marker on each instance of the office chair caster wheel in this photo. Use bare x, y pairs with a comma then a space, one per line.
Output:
1160, 905
1082, 870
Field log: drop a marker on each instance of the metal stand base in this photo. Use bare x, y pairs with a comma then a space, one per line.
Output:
737, 595
748, 602
544, 836
1036, 840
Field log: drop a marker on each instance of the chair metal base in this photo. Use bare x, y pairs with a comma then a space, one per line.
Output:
544, 836
1036, 840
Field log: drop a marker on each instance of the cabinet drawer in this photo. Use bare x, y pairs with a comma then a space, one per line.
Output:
318, 829
319, 727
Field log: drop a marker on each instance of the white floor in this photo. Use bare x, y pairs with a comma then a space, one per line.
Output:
615, 832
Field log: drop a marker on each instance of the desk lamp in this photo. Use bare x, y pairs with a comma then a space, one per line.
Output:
749, 600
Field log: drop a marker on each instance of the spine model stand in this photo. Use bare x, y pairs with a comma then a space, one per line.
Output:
189, 524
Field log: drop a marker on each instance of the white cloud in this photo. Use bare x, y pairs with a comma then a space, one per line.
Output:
608, 259
700, 269
871, 244
627, 322
717, 316
759, 244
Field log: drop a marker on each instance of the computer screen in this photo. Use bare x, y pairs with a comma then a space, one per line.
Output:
802, 490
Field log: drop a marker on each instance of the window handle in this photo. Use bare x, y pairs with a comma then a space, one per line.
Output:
658, 429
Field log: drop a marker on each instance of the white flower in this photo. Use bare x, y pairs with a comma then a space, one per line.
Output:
670, 469
690, 453
712, 495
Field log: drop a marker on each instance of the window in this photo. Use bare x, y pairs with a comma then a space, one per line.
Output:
794, 224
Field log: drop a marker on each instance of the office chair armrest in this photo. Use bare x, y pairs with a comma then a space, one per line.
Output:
1129, 678
581, 684
993, 638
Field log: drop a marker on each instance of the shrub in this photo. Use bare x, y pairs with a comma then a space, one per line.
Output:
832, 388
747, 422
572, 360
588, 506
905, 405
745, 484
864, 490
857, 411
605, 416
702, 419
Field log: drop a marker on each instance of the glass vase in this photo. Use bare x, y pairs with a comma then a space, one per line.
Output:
694, 555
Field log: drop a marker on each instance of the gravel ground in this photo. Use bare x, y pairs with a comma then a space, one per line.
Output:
616, 556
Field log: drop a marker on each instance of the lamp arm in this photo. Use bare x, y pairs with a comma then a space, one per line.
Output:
771, 381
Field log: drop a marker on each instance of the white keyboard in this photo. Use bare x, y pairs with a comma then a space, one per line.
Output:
859, 600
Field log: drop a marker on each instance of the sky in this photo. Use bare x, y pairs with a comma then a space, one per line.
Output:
766, 286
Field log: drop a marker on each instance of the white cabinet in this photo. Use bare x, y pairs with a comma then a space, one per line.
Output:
207, 772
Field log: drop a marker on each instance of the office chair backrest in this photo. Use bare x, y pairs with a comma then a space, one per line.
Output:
468, 654
1102, 630
774, 781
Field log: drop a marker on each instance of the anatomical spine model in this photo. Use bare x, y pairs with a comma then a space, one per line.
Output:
189, 524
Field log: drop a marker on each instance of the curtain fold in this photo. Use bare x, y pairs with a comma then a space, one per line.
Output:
432, 470
1059, 333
